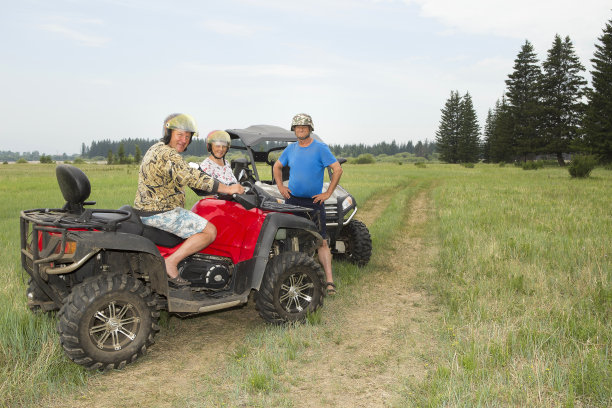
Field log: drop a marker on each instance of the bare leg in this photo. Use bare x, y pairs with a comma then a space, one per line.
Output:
325, 257
193, 244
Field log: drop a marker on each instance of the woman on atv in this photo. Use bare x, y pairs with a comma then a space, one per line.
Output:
218, 143
160, 196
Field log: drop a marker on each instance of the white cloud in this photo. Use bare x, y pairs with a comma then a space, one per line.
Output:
83, 39
535, 20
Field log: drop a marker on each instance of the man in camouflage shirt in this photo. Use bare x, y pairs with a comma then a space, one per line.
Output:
160, 197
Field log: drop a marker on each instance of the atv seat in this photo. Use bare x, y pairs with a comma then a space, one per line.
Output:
134, 225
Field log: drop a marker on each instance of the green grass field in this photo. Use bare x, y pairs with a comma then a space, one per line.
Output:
523, 277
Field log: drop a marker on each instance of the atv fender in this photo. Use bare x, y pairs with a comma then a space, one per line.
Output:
90, 241
269, 228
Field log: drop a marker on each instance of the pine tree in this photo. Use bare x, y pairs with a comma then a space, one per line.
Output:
487, 135
468, 148
562, 91
598, 120
523, 100
447, 136
501, 138
137, 154
121, 154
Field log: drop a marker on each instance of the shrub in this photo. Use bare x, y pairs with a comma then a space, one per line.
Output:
581, 166
420, 165
22, 160
366, 158
468, 165
46, 159
78, 160
502, 164
532, 165
5, 162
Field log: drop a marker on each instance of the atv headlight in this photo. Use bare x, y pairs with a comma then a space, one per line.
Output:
347, 203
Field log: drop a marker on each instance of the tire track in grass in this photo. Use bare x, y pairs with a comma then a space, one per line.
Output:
382, 332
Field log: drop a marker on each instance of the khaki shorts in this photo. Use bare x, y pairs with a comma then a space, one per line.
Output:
179, 222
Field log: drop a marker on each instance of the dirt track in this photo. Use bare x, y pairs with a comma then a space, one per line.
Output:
382, 324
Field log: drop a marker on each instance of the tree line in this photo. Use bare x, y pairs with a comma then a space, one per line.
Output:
420, 149
545, 110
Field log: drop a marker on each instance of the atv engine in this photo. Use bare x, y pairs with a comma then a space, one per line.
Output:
207, 271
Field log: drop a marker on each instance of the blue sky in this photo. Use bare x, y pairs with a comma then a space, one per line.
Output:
75, 71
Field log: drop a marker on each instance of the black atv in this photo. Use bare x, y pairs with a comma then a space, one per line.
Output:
259, 145
105, 271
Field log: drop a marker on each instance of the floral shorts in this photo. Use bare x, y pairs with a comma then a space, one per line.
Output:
179, 222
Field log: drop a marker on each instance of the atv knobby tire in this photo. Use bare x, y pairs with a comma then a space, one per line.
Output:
357, 243
108, 322
292, 286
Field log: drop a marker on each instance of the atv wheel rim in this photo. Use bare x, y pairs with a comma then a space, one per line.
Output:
296, 293
114, 327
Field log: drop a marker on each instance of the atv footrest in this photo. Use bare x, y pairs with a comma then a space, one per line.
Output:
178, 304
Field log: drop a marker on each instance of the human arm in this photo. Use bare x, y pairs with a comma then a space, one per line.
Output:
335, 179
231, 189
278, 178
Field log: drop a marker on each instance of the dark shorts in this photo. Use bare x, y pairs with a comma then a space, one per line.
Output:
317, 216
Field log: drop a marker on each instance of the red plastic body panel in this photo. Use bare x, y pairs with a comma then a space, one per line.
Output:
237, 229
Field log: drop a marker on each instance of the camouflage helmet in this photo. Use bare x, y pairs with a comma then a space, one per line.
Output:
180, 121
302, 119
218, 136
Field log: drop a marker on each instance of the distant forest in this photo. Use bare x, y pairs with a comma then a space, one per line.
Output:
137, 148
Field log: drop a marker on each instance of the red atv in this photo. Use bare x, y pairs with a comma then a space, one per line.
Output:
105, 272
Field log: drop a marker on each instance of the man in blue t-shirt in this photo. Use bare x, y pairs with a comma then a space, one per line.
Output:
307, 160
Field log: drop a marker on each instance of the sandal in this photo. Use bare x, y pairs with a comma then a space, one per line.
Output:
330, 290
178, 281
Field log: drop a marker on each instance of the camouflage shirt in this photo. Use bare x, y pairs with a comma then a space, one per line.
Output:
162, 179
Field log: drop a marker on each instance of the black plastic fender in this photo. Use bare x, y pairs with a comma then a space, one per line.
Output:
120, 241
271, 224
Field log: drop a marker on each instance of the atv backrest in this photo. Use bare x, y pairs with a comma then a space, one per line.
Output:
74, 185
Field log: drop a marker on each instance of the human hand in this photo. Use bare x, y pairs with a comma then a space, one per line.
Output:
236, 189
285, 192
320, 198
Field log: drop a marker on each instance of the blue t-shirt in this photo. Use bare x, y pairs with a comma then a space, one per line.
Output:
307, 165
